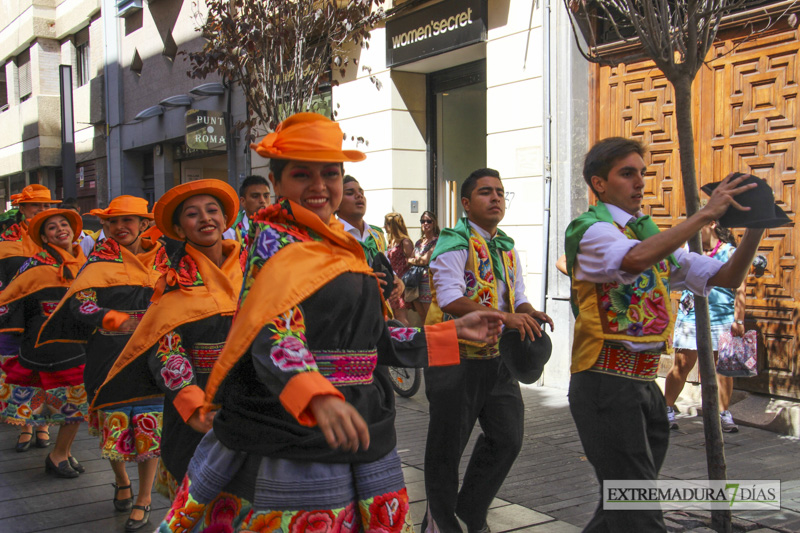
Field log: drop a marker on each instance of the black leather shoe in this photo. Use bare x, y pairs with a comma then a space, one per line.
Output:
124, 504
136, 525
62, 470
42, 443
24, 446
76, 466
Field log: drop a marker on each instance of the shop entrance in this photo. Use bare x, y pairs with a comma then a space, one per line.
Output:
457, 130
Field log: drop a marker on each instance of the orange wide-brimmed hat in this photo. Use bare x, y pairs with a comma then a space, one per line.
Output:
122, 206
35, 224
307, 137
165, 207
33, 194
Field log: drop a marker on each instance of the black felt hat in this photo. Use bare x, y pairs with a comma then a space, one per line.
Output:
525, 359
764, 212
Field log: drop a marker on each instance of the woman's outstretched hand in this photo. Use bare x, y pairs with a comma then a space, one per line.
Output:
342, 425
200, 422
480, 326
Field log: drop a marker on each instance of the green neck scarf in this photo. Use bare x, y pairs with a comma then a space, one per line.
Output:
458, 239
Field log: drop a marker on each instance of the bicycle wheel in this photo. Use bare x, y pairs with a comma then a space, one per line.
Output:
405, 381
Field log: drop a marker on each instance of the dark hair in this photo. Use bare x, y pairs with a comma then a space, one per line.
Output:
276, 167
70, 203
602, 156
725, 235
348, 179
436, 229
176, 215
472, 180
249, 181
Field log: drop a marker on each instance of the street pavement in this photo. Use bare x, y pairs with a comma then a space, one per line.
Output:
552, 486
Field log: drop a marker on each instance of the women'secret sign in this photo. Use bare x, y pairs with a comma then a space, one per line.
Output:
440, 28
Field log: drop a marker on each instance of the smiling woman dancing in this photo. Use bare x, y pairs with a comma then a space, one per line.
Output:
305, 430
44, 385
101, 310
181, 334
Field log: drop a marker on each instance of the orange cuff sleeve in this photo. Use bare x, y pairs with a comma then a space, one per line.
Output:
300, 390
188, 400
442, 344
114, 319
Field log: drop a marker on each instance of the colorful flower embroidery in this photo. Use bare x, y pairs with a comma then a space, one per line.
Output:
161, 261
268, 522
13, 233
312, 522
106, 250
177, 372
291, 355
388, 512
403, 334
188, 273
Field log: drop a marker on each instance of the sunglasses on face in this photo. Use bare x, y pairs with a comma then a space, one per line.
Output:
425, 221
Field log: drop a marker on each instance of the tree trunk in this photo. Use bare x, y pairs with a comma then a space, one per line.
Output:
715, 448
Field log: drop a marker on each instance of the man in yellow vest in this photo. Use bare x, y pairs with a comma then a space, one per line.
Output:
622, 269
474, 266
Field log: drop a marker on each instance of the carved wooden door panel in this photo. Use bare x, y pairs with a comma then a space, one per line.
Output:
747, 118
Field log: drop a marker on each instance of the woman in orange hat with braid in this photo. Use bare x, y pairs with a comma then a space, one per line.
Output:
304, 437
101, 310
44, 385
181, 334
15, 249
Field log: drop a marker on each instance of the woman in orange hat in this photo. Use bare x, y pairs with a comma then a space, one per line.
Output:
44, 385
101, 309
304, 437
15, 249
183, 331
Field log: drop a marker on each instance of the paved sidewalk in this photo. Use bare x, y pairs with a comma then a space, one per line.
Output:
552, 486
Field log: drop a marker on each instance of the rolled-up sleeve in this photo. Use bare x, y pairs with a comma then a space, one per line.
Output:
694, 273
519, 283
448, 276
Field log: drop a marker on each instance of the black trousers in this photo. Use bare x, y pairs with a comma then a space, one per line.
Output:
624, 430
481, 390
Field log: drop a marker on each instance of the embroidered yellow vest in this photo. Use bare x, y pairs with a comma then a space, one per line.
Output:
639, 312
377, 235
481, 288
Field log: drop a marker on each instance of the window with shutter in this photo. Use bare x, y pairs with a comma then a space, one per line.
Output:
24, 76
3, 90
82, 57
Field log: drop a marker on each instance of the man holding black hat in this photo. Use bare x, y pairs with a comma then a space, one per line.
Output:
474, 266
622, 269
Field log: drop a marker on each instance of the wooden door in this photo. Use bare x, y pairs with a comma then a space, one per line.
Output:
746, 118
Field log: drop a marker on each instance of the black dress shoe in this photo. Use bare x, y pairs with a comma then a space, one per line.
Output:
124, 504
62, 470
42, 443
24, 446
76, 466
136, 525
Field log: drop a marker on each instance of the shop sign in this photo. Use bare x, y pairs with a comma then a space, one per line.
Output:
206, 130
440, 28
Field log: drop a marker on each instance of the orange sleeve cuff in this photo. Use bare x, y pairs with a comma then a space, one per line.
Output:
188, 400
301, 389
114, 319
442, 344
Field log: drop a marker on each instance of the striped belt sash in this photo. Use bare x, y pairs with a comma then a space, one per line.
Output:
204, 355
616, 359
347, 367
134, 314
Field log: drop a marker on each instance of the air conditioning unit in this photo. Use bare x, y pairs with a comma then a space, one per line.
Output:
128, 7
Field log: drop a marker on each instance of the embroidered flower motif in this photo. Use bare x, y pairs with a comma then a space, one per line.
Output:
223, 509
125, 446
106, 250
291, 354
14, 233
188, 274
88, 308
403, 334
311, 522
388, 512
186, 517
348, 520
260, 522
22, 394
485, 297
268, 243
147, 422
76, 394
177, 372
161, 261
635, 329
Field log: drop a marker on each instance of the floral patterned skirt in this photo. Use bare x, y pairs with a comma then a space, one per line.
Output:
264, 494
42, 398
128, 433
165, 484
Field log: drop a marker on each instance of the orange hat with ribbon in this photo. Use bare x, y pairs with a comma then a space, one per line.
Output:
122, 206
36, 223
307, 137
165, 207
33, 194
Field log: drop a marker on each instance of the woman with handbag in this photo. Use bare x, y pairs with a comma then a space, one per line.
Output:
422, 256
400, 249
726, 310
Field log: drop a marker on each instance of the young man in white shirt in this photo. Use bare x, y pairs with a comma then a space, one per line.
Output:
253, 195
474, 266
622, 269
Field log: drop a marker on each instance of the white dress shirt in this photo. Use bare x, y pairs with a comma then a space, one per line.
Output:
87, 243
448, 277
352, 230
230, 233
604, 246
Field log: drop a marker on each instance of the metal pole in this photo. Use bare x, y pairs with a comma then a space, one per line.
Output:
68, 166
